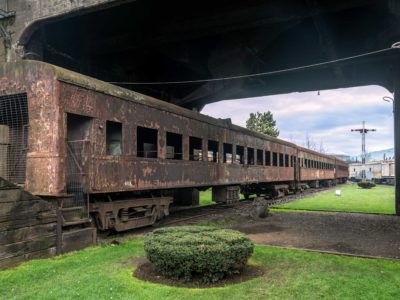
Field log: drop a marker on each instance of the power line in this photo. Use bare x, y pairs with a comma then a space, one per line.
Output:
394, 46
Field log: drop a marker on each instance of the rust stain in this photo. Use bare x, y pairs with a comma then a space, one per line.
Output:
53, 93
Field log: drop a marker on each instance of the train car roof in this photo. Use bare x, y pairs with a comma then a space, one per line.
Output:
91, 83
316, 152
97, 85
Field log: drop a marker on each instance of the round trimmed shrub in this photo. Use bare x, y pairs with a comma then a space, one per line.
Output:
202, 252
366, 184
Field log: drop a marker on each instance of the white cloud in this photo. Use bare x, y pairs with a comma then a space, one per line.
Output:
327, 117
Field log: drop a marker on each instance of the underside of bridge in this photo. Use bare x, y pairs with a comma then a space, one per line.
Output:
158, 41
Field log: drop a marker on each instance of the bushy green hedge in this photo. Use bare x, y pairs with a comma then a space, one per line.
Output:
366, 184
203, 252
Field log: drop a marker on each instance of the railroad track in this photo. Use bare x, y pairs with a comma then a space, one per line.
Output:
190, 215
193, 213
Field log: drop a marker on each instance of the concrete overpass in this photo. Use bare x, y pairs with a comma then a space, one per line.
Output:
158, 41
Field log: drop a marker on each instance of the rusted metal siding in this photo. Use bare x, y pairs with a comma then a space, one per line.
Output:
54, 92
129, 172
43, 159
308, 174
342, 169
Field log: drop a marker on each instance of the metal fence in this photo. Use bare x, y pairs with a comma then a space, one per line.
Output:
13, 137
78, 159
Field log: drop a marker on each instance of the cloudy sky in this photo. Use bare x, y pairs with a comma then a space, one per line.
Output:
327, 118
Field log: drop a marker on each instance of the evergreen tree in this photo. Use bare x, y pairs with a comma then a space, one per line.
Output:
262, 122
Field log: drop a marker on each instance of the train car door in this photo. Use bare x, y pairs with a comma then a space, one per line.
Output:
78, 157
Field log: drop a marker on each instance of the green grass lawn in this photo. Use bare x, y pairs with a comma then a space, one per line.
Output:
106, 273
379, 199
206, 196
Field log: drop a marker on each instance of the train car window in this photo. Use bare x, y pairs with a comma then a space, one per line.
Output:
78, 127
239, 155
250, 156
286, 161
275, 159
281, 160
306, 163
267, 158
174, 146
113, 138
260, 158
228, 153
212, 153
147, 145
195, 148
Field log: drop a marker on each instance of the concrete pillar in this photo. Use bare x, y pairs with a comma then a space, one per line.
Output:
396, 116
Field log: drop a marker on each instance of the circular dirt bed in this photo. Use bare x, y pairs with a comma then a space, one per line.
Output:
147, 272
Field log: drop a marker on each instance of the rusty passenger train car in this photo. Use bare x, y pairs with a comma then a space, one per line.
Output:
119, 158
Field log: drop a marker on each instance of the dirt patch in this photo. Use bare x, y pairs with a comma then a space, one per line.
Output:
146, 272
347, 233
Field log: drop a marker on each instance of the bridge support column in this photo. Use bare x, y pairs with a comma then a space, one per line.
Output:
396, 116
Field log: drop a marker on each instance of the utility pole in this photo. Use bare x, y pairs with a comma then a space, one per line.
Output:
363, 132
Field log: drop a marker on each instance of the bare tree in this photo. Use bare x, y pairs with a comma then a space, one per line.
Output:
291, 139
322, 148
310, 143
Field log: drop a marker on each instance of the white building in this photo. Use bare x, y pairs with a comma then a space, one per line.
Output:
379, 171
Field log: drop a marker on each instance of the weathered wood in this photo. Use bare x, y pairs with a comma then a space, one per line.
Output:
22, 248
10, 195
13, 261
26, 233
10, 211
24, 216
15, 194
15, 224
27, 226
28, 220
78, 239
59, 231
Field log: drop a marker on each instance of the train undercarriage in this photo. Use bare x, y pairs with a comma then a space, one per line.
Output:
110, 213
